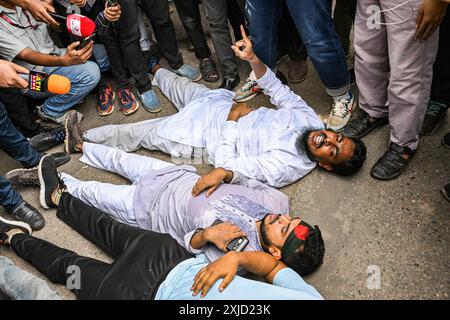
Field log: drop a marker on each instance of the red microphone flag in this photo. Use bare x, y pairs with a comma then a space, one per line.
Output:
79, 25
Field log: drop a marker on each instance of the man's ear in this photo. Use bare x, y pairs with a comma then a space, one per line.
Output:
326, 165
275, 252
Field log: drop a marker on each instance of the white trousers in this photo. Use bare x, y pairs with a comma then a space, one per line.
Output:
130, 137
116, 200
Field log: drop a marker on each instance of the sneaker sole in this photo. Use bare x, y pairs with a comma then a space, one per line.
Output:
41, 181
21, 225
66, 140
19, 170
247, 98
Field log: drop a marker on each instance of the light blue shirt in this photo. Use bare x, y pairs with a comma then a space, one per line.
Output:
287, 285
260, 145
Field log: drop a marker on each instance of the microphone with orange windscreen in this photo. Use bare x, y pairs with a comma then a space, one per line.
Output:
42, 82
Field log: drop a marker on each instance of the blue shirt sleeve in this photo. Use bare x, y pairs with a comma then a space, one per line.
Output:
288, 278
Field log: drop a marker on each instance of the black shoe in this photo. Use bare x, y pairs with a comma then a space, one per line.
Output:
8, 225
49, 139
28, 214
60, 158
446, 140
361, 125
435, 112
30, 177
230, 83
446, 192
51, 185
208, 70
392, 164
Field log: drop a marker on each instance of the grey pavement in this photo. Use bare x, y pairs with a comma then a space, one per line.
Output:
384, 240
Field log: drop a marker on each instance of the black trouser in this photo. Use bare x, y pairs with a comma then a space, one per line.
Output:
344, 16
158, 13
440, 88
289, 40
122, 42
189, 14
236, 17
142, 258
20, 112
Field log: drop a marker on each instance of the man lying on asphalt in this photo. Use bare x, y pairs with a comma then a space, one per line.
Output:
169, 199
275, 146
148, 265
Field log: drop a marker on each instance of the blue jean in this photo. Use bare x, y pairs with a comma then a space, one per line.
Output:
16, 146
315, 25
83, 78
21, 285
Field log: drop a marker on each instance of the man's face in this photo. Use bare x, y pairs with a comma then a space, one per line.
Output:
329, 147
275, 228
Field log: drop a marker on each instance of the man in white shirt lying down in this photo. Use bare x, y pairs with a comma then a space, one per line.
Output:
275, 146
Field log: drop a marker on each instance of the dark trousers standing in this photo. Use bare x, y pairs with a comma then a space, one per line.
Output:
124, 50
20, 112
16, 146
344, 16
236, 11
289, 40
440, 88
216, 12
189, 13
142, 258
158, 13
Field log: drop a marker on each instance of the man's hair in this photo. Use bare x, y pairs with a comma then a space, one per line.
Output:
355, 162
309, 256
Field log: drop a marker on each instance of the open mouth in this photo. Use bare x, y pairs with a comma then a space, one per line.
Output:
318, 140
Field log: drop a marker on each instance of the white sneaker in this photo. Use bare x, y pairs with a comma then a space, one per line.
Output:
248, 91
341, 112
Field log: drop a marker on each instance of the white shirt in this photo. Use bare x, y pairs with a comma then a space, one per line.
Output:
260, 145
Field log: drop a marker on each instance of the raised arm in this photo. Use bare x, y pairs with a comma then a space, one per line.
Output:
280, 95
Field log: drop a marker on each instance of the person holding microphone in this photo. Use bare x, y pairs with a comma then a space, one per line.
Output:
17, 146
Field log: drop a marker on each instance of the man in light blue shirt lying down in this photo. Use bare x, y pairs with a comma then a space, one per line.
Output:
148, 265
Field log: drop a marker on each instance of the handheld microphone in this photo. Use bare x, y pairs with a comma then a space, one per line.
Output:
77, 25
42, 82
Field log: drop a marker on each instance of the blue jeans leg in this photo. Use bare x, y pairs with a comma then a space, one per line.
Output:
263, 17
83, 78
10, 199
18, 147
101, 57
14, 143
315, 24
21, 285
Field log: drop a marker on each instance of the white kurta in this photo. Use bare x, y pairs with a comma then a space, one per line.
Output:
260, 145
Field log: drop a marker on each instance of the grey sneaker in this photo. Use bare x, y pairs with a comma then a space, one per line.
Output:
74, 136
340, 114
248, 91
61, 119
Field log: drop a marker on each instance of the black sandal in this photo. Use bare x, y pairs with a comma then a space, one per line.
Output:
208, 70
361, 126
392, 163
